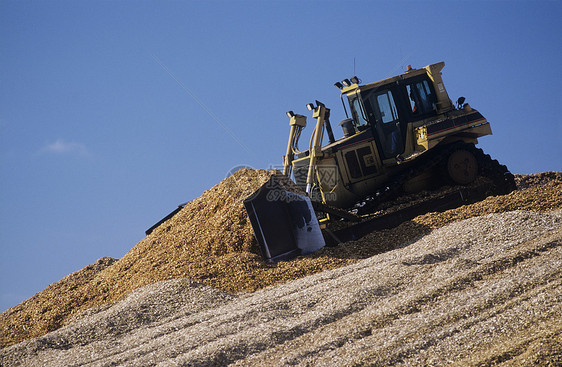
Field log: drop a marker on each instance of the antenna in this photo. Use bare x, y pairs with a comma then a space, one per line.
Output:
354, 66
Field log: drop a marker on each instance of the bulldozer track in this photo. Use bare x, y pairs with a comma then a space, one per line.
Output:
451, 200
502, 182
394, 189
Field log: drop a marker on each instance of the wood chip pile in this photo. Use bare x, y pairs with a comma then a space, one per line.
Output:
211, 241
484, 291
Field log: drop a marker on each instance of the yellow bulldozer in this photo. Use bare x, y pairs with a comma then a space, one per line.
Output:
401, 135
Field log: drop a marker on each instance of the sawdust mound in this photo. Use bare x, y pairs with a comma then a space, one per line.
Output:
539, 192
536, 179
41, 313
211, 241
197, 243
485, 291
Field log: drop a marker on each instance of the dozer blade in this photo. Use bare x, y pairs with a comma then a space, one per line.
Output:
284, 222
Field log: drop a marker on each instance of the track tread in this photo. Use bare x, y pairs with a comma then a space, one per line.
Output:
503, 180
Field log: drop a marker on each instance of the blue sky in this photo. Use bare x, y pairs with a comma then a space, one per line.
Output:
112, 113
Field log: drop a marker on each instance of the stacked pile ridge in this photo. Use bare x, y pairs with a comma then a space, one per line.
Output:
211, 241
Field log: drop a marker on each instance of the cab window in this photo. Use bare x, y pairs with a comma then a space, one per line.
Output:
359, 112
422, 98
387, 108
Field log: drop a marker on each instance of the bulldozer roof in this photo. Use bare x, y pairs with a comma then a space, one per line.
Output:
431, 70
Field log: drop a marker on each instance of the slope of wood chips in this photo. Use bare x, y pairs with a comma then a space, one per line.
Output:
211, 242
484, 291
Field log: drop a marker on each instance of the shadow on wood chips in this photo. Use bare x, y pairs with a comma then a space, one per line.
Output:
211, 241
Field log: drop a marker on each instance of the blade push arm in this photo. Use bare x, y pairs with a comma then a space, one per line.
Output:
297, 123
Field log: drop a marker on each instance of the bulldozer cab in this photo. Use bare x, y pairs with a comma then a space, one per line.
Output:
388, 107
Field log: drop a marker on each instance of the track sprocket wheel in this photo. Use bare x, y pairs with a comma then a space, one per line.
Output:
462, 166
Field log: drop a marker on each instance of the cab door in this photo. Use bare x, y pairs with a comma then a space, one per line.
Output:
387, 123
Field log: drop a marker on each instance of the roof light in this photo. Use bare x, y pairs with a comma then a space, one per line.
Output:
346, 82
338, 85
310, 106
290, 114
355, 80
